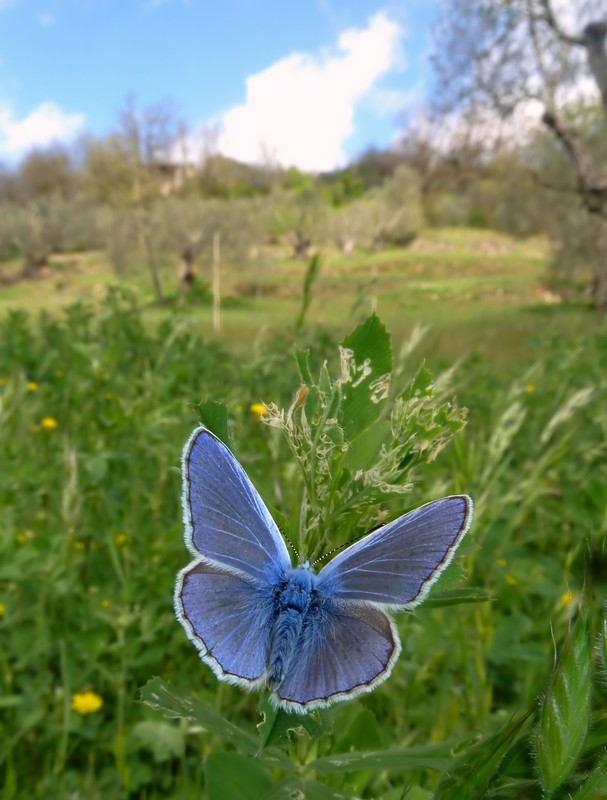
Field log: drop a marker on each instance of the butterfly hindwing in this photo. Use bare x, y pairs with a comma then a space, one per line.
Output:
225, 519
228, 618
397, 564
346, 650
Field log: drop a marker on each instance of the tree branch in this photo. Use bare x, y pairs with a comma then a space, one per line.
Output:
550, 18
593, 188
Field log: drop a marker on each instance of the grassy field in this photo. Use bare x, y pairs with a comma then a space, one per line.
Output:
500, 689
478, 291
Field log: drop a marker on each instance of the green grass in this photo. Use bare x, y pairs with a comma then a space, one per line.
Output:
96, 402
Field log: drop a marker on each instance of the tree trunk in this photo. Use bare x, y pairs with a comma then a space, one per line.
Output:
186, 272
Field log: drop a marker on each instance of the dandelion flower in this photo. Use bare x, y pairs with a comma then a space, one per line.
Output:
501, 562
86, 702
105, 603
32, 386
21, 538
2, 609
48, 423
529, 388
120, 539
258, 410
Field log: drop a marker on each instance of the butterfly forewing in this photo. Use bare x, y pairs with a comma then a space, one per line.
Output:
227, 617
396, 564
345, 652
225, 518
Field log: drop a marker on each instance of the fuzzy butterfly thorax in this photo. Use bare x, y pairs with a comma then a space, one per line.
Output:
296, 602
256, 620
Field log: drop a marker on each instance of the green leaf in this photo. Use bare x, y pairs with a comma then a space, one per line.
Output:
366, 366
164, 741
310, 278
595, 787
302, 357
230, 776
565, 711
456, 597
277, 723
436, 757
163, 697
478, 766
300, 789
214, 416
364, 731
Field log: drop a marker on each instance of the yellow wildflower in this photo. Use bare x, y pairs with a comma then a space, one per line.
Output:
2, 609
32, 386
567, 599
48, 423
511, 580
105, 603
501, 562
529, 388
86, 702
21, 538
258, 410
79, 545
120, 539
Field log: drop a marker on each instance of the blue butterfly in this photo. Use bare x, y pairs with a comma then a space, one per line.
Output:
313, 639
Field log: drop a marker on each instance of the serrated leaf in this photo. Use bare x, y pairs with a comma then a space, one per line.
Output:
362, 390
230, 776
565, 711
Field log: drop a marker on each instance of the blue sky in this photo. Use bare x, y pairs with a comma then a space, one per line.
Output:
305, 82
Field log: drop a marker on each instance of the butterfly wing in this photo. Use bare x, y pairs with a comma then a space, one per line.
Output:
228, 618
397, 564
345, 649
225, 519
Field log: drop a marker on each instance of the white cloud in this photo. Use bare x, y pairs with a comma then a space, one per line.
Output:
301, 109
44, 126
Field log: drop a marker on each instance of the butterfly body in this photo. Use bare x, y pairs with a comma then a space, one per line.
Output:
312, 638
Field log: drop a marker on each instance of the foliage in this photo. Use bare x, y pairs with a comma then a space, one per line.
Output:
94, 409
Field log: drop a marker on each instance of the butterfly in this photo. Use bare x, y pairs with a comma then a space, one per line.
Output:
312, 638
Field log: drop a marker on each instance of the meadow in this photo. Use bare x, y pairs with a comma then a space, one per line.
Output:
500, 690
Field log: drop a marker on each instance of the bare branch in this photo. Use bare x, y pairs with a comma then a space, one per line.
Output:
592, 187
550, 18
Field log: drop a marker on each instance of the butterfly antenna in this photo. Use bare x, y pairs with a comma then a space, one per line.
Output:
346, 544
293, 548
